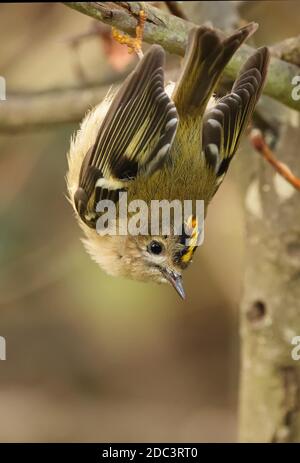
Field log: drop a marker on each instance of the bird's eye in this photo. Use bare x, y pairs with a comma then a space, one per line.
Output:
155, 247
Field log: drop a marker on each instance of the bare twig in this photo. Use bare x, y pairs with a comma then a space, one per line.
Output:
41, 110
261, 146
171, 33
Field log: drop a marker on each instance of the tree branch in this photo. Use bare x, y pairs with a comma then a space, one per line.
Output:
41, 110
261, 146
288, 50
171, 33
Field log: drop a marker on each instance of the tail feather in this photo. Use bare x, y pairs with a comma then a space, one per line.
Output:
204, 63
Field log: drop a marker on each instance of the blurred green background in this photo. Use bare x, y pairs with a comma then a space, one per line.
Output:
91, 357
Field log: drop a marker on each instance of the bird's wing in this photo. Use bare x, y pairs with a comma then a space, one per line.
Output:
134, 137
206, 57
224, 123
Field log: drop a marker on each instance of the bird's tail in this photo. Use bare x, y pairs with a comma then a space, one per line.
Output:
206, 57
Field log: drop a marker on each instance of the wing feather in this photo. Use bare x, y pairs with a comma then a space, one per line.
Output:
134, 137
224, 123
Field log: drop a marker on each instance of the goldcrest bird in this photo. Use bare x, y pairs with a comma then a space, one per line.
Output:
156, 146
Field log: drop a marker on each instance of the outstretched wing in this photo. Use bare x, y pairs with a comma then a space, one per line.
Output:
134, 137
224, 124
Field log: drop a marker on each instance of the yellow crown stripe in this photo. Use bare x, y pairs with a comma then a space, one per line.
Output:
192, 223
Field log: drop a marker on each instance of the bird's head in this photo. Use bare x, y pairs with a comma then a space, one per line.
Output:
160, 258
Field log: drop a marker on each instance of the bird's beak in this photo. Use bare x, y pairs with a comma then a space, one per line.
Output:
175, 279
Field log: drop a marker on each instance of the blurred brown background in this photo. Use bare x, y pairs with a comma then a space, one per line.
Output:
90, 357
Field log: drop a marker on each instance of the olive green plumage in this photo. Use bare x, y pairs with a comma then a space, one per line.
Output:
158, 147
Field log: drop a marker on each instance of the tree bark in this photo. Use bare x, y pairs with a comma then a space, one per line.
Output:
270, 308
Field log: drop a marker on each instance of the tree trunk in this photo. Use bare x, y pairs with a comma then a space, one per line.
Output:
270, 308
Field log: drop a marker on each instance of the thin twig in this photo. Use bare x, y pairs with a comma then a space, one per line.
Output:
261, 146
43, 109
